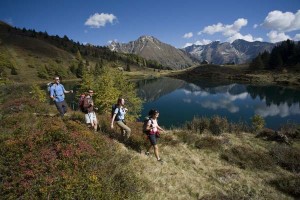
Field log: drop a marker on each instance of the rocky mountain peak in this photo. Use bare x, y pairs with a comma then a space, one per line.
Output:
239, 51
151, 48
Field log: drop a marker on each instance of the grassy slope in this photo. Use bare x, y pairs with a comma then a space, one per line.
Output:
190, 173
194, 166
29, 54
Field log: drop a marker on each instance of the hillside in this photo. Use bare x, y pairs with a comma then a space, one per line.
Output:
28, 55
66, 160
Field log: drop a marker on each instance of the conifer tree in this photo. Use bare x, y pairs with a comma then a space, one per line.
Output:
265, 57
78, 55
257, 63
97, 69
80, 69
275, 59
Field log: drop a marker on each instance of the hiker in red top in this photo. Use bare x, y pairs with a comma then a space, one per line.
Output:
153, 132
90, 115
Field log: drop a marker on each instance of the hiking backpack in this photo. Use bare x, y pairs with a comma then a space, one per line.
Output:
145, 125
113, 108
49, 85
81, 103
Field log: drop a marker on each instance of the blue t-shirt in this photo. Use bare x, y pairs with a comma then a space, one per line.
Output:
120, 115
58, 92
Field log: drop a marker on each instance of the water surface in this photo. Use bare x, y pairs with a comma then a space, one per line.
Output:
179, 101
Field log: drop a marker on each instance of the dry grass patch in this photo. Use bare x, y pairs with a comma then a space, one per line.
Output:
289, 185
287, 157
247, 157
211, 142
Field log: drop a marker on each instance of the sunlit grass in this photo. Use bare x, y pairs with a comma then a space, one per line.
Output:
44, 156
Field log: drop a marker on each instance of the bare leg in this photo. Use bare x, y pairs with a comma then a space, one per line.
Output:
156, 152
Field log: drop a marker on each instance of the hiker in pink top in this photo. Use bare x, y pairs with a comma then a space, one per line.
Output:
153, 134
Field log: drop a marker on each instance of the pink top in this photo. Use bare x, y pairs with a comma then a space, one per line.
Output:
153, 125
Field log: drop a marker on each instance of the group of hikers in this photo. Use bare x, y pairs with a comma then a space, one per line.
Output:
86, 104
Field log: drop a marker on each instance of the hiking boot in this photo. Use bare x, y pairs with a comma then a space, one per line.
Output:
147, 153
161, 161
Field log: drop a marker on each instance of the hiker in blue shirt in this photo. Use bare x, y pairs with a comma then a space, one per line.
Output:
57, 94
118, 115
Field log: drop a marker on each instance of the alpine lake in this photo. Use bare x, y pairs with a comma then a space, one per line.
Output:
180, 101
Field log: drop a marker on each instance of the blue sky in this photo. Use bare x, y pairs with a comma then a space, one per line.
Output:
176, 22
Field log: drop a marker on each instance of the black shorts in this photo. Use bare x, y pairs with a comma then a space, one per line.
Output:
153, 139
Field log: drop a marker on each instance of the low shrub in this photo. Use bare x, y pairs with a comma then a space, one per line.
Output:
289, 185
167, 139
53, 158
38, 94
247, 157
188, 137
291, 130
239, 127
258, 123
198, 124
210, 142
218, 125
287, 157
271, 135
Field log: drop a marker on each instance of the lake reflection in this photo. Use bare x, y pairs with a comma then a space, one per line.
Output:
179, 101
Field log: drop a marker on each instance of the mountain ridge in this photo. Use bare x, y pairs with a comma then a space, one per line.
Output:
238, 52
151, 48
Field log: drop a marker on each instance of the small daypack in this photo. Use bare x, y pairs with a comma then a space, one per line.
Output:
113, 108
49, 85
81, 103
145, 125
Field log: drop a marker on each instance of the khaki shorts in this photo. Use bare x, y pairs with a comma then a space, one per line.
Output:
90, 117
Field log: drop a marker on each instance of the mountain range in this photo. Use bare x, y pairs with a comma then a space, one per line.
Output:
238, 52
152, 49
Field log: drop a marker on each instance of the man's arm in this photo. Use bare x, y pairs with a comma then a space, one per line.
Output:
65, 91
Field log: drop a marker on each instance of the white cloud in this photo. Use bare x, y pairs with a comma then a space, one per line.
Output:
187, 44
255, 26
247, 37
198, 42
282, 22
226, 30
275, 36
188, 35
97, 20
220, 104
203, 42
282, 110
297, 37
187, 100
231, 97
215, 28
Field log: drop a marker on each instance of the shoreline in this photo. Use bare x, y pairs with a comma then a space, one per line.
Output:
228, 75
